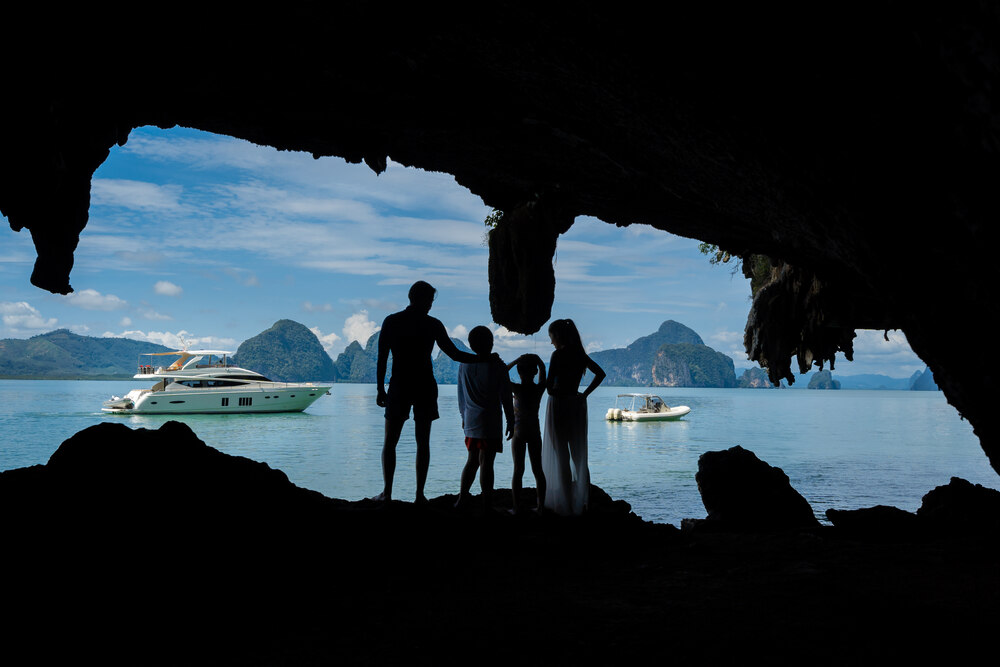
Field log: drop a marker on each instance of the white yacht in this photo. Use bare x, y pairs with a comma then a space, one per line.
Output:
202, 381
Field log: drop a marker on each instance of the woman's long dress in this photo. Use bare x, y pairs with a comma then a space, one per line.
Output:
564, 445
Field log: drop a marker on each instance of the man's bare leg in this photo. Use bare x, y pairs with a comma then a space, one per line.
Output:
422, 434
392, 430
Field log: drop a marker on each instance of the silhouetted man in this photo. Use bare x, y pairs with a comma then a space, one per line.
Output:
410, 336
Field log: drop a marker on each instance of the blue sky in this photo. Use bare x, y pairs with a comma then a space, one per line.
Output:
213, 239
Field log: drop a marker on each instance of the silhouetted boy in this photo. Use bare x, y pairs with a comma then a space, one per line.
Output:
483, 393
527, 431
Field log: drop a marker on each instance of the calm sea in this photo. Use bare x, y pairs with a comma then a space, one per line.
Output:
841, 449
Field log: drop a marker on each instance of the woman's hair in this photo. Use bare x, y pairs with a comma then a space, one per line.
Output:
566, 333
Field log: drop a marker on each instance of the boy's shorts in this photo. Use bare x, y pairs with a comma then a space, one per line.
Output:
485, 444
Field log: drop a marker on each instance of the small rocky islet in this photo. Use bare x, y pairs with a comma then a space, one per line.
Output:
151, 547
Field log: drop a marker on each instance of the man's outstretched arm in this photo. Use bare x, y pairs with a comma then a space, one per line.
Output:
448, 347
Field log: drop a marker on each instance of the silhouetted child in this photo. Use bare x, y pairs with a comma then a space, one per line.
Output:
527, 432
483, 393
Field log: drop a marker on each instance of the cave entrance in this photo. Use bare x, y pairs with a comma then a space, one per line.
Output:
209, 240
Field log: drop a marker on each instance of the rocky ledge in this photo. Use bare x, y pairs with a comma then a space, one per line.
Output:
150, 547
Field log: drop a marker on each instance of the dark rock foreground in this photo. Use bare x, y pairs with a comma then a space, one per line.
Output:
149, 547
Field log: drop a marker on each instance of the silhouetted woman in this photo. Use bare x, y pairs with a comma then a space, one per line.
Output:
564, 448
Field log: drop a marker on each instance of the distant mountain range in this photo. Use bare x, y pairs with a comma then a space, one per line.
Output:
672, 356
64, 355
919, 381
286, 352
358, 364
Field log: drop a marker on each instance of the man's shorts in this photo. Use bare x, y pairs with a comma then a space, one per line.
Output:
422, 398
485, 444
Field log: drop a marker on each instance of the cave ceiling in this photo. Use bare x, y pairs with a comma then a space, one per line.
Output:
856, 145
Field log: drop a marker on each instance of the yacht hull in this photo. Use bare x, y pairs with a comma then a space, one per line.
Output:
231, 400
668, 416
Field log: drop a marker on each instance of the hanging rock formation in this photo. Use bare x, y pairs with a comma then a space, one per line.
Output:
843, 144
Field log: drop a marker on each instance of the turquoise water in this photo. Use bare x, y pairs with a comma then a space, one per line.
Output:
841, 449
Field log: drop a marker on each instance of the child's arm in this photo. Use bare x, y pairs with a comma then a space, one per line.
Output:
541, 372
461, 395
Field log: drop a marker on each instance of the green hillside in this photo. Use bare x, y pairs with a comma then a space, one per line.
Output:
62, 354
691, 365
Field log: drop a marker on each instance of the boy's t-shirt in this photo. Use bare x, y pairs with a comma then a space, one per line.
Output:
482, 388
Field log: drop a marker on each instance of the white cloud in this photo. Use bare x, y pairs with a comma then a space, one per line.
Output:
359, 327
203, 152
310, 307
259, 197
730, 343
167, 288
166, 338
874, 354
874, 343
328, 341
134, 194
510, 344
725, 338
293, 211
91, 299
333, 185
460, 332
22, 317
215, 342
177, 340
150, 314
244, 277
126, 322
